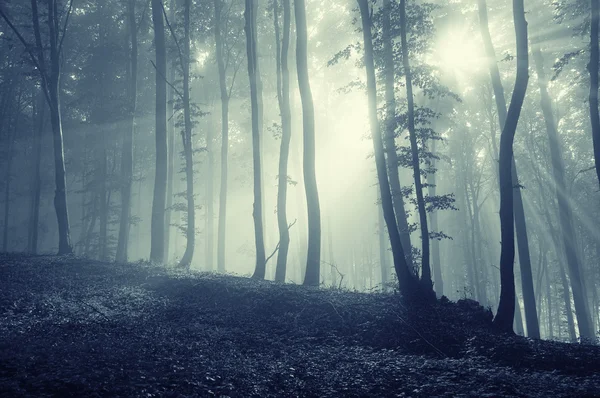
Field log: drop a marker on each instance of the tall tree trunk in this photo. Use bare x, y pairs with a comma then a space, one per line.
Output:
593, 69
506, 307
102, 193
34, 217
222, 223
438, 283
7, 175
283, 91
383, 247
584, 322
250, 29
407, 281
425, 267
313, 258
188, 255
171, 155
60, 196
157, 243
210, 205
519, 212
127, 150
390, 134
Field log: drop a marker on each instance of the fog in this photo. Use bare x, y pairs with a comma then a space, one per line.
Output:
456, 116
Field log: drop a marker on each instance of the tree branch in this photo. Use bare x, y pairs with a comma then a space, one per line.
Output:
167, 81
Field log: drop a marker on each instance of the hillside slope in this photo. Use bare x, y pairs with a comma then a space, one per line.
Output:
76, 327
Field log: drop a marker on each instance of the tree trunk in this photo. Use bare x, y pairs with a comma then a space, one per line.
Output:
7, 175
506, 307
210, 205
425, 267
157, 243
593, 69
390, 134
584, 322
34, 218
313, 258
438, 283
127, 150
222, 223
383, 247
283, 91
171, 155
60, 196
407, 281
250, 29
188, 255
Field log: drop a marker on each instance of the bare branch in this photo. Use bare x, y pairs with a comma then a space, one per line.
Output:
167, 81
64, 29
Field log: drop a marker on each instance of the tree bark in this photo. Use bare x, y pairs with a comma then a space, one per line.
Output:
157, 243
127, 150
506, 308
425, 266
407, 281
171, 155
390, 128
222, 222
250, 29
584, 322
593, 69
283, 91
438, 283
32, 241
313, 258
188, 149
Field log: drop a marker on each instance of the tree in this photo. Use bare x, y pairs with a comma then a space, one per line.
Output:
425, 266
390, 129
506, 307
250, 29
157, 247
188, 149
283, 96
584, 322
49, 68
593, 69
519, 211
406, 279
313, 258
127, 149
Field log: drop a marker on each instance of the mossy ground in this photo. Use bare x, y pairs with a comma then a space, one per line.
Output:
72, 327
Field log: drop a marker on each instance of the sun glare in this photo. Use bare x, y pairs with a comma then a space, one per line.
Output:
458, 52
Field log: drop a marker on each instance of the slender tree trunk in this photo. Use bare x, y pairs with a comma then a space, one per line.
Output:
188, 149
584, 322
283, 91
313, 259
171, 155
60, 197
222, 223
250, 28
210, 205
506, 307
407, 281
101, 182
435, 244
593, 69
383, 247
7, 175
157, 243
32, 242
390, 134
127, 152
516, 202
425, 267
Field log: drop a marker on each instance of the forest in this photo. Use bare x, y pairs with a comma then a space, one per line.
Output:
420, 156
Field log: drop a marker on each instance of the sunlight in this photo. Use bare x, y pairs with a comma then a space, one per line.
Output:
458, 52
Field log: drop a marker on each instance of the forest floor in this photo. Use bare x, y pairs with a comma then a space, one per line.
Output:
71, 327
